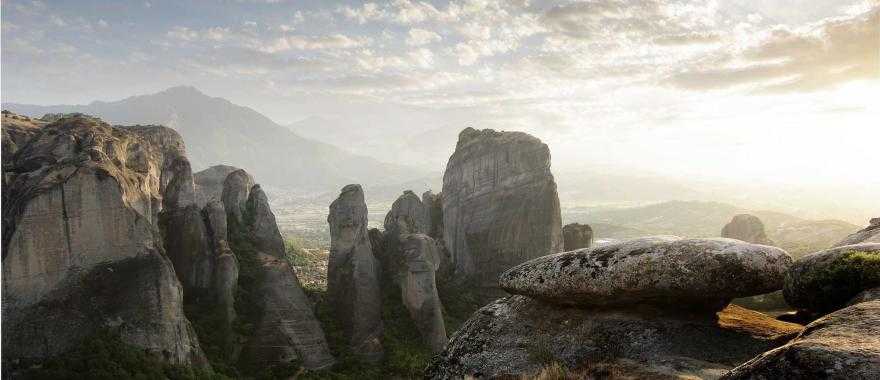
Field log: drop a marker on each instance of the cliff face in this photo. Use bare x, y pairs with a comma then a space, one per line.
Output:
80, 210
499, 204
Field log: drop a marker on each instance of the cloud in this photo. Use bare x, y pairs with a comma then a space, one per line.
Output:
419, 37
333, 41
832, 52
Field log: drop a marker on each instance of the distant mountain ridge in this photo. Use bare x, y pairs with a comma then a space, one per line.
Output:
216, 131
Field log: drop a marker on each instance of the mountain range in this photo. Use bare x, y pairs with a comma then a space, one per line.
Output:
216, 131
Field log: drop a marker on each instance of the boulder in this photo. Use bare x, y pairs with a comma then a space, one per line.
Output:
841, 345
747, 228
660, 270
353, 274
288, 329
499, 205
82, 251
263, 227
236, 191
825, 281
577, 236
421, 259
209, 183
870, 234
517, 336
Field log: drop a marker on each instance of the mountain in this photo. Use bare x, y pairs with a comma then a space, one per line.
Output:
217, 131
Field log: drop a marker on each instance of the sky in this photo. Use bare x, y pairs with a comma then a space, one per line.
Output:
775, 92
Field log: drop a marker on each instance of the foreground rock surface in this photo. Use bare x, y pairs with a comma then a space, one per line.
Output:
841, 345
747, 228
499, 205
353, 274
825, 281
662, 270
517, 336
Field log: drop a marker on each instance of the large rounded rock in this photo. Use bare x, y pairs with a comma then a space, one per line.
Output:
747, 228
841, 345
664, 270
825, 281
517, 336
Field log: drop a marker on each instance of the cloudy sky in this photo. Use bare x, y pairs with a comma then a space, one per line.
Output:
771, 91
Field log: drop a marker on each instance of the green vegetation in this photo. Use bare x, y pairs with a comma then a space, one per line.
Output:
850, 274
105, 356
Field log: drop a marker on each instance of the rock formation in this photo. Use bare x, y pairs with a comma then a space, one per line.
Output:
353, 274
825, 281
577, 236
418, 286
236, 190
408, 215
655, 305
662, 270
870, 234
263, 227
500, 206
209, 183
84, 253
747, 228
841, 345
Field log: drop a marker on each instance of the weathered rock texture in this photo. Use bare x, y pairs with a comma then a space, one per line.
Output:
747, 228
841, 345
662, 270
353, 274
408, 215
517, 336
263, 226
236, 190
418, 286
865, 296
500, 206
870, 234
825, 281
288, 329
577, 236
84, 252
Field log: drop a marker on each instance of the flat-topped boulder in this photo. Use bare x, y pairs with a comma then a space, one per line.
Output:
841, 345
660, 270
747, 228
826, 280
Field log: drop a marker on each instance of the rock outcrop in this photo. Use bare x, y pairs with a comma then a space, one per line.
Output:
870, 234
499, 205
577, 236
353, 274
841, 345
825, 281
747, 228
418, 285
84, 253
263, 227
517, 336
662, 270
236, 191
408, 215
209, 183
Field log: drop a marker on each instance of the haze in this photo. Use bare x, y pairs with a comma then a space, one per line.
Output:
771, 103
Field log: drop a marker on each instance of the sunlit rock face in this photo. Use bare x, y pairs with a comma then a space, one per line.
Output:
842, 345
353, 274
747, 228
84, 252
577, 236
499, 205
